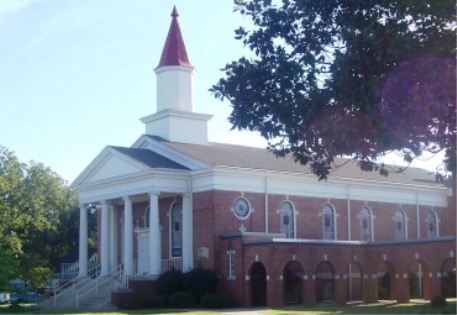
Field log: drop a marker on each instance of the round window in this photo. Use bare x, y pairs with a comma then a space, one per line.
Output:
242, 208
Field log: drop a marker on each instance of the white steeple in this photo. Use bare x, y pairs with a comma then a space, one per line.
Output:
175, 120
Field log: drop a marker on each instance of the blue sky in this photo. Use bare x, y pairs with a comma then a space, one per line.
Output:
76, 75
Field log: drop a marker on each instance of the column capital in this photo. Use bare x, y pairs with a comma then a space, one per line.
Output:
154, 192
126, 198
187, 194
105, 202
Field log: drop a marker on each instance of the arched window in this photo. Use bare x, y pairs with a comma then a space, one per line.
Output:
366, 224
400, 225
146, 217
176, 230
287, 220
328, 222
432, 224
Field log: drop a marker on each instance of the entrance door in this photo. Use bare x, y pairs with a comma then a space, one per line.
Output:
293, 284
143, 252
258, 285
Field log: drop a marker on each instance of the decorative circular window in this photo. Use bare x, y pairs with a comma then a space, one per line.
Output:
242, 208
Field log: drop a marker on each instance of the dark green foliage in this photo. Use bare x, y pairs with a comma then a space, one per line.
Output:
169, 282
181, 299
413, 280
200, 281
39, 218
449, 283
133, 301
355, 78
438, 301
217, 300
155, 301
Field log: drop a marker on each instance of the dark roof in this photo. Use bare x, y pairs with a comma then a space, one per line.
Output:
150, 158
221, 154
174, 52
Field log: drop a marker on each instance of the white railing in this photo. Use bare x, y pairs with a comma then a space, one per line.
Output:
171, 264
60, 289
116, 273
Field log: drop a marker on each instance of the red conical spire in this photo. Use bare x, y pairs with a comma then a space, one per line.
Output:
174, 52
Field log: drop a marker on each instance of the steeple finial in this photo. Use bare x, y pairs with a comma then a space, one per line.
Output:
174, 13
174, 52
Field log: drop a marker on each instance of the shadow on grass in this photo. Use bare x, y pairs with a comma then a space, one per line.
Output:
379, 308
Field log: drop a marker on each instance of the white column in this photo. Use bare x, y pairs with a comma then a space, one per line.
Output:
155, 249
112, 237
104, 239
83, 260
128, 236
187, 231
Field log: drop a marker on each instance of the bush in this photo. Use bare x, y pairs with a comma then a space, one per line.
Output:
438, 300
200, 281
181, 299
155, 301
133, 302
217, 300
169, 282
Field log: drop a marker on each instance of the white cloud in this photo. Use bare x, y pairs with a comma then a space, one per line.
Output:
8, 6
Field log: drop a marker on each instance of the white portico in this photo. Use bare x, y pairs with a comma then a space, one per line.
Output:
120, 181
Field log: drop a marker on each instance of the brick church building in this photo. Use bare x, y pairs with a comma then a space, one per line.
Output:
273, 232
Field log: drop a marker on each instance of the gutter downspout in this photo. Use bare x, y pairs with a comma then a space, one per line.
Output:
418, 226
266, 203
348, 195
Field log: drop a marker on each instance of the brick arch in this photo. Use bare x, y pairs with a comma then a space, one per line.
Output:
448, 281
385, 284
324, 281
354, 281
293, 282
258, 287
418, 278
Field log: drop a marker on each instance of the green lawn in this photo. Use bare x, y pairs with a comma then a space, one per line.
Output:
407, 308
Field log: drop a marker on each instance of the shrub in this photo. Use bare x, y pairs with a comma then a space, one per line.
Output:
217, 300
200, 281
155, 301
15, 308
169, 282
181, 299
133, 302
438, 300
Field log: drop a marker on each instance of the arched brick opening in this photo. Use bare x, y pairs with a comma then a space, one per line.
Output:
258, 276
293, 283
386, 281
354, 281
325, 283
448, 278
418, 279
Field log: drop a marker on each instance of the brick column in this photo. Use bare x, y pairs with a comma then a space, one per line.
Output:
401, 294
309, 292
275, 294
340, 290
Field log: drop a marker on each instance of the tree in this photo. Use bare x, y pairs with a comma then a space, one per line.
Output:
39, 216
355, 78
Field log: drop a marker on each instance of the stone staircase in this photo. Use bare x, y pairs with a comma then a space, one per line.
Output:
84, 293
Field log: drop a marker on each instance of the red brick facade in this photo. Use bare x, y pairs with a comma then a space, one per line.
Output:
272, 270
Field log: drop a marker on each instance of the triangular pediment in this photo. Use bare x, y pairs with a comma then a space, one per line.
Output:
109, 164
